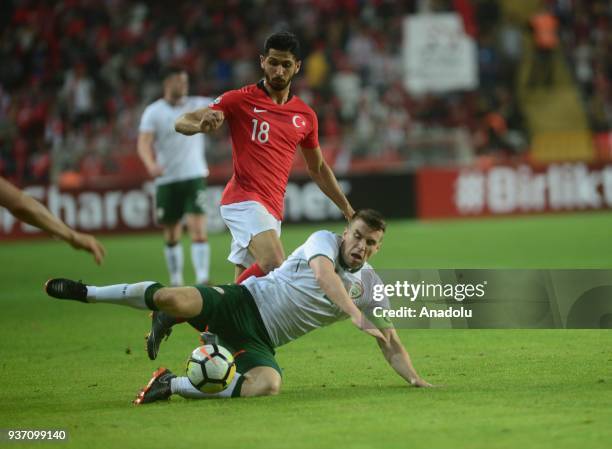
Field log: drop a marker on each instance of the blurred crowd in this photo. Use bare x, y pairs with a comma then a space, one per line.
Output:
586, 30
77, 74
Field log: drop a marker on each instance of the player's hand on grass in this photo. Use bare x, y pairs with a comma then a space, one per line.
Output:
211, 121
420, 383
88, 243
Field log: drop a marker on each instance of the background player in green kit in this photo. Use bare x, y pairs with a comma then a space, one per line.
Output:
178, 164
325, 280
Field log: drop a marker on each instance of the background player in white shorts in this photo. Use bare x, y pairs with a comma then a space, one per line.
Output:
178, 164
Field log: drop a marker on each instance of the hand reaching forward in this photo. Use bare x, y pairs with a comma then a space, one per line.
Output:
88, 243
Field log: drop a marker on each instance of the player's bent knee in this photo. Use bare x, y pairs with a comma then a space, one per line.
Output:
262, 381
272, 387
164, 298
168, 300
266, 388
179, 301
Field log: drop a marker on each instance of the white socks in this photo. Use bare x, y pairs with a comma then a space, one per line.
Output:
174, 261
200, 257
182, 387
132, 295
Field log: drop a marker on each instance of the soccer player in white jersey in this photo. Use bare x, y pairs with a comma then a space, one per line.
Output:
178, 164
325, 280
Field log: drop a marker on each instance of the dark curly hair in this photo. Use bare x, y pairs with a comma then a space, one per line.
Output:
283, 41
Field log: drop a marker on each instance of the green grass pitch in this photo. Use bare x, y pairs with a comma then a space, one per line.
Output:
77, 367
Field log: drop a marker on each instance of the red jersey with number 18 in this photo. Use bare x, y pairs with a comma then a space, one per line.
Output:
265, 136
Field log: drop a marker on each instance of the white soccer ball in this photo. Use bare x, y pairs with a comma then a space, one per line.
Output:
211, 368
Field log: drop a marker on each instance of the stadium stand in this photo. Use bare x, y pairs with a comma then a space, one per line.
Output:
77, 73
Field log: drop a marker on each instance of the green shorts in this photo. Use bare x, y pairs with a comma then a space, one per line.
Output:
176, 199
229, 311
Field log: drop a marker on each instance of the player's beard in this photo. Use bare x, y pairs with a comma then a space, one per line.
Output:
278, 84
178, 94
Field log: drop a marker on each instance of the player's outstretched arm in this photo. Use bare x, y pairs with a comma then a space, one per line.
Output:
332, 286
27, 209
199, 121
322, 174
398, 358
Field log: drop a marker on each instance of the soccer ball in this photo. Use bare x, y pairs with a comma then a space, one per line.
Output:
211, 368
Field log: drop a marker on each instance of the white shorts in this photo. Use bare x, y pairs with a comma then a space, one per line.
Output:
245, 220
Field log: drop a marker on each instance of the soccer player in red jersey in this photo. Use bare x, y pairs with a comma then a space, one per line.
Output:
267, 124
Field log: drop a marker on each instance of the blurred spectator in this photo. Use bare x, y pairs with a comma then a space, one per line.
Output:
544, 26
78, 96
489, 62
584, 66
316, 67
587, 37
360, 49
346, 85
171, 46
510, 43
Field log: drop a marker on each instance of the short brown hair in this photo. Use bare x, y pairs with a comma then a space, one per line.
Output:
171, 70
372, 218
